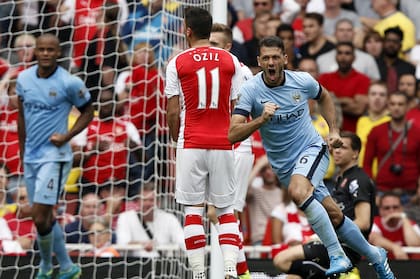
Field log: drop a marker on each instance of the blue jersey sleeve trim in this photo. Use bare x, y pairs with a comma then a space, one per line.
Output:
319, 92
241, 112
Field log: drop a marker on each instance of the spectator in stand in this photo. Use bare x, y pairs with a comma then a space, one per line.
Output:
297, 22
113, 193
334, 13
316, 42
142, 98
259, 31
396, 145
411, 9
263, 195
373, 44
244, 30
407, 84
286, 33
84, 17
354, 193
106, 144
9, 138
24, 47
105, 52
363, 62
247, 9
376, 114
272, 25
20, 222
391, 17
392, 229
149, 22
100, 236
4, 181
391, 67
90, 208
348, 85
149, 225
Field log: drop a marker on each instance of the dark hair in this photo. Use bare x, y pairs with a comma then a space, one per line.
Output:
389, 194
223, 28
271, 41
315, 16
349, 44
398, 93
395, 30
199, 21
355, 142
285, 27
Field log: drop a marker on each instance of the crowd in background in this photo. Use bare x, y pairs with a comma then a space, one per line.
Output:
363, 52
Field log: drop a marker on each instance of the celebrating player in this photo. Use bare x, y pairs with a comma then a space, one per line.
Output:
277, 101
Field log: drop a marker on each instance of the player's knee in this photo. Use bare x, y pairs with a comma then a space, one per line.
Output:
42, 223
281, 262
299, 193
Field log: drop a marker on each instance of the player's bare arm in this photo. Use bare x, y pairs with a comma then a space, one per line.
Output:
328, 112
362, 215
240, 129
86, 115
172, 116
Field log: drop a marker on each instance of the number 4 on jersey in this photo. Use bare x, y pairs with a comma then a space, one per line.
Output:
50, 184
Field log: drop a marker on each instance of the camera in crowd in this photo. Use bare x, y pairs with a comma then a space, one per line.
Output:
396, 169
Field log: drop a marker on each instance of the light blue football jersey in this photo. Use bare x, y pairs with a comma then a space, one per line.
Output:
46, 104
290, 130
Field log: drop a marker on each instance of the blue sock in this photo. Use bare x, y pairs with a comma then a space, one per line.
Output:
320, 222
353, 237
60, 248
45, 244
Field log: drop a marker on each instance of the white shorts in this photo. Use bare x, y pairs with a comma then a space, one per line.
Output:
243, 166
205, 175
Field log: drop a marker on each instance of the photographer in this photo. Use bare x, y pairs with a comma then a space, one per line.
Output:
396, 146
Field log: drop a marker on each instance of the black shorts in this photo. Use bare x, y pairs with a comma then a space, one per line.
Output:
315, 251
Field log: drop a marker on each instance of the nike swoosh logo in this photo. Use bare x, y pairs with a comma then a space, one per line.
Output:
264, 101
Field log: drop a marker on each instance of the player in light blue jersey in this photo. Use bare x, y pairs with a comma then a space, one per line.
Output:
47, 93
277, 100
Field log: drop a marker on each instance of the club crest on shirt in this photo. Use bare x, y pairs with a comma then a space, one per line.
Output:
52, 93
354, 187
81, 94
296, 96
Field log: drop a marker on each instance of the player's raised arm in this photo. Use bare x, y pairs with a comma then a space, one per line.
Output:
240, 129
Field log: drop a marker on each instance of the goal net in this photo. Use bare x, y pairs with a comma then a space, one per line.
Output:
117, 45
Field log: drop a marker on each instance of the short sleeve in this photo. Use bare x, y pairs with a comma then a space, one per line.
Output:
78, 93
172, 83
